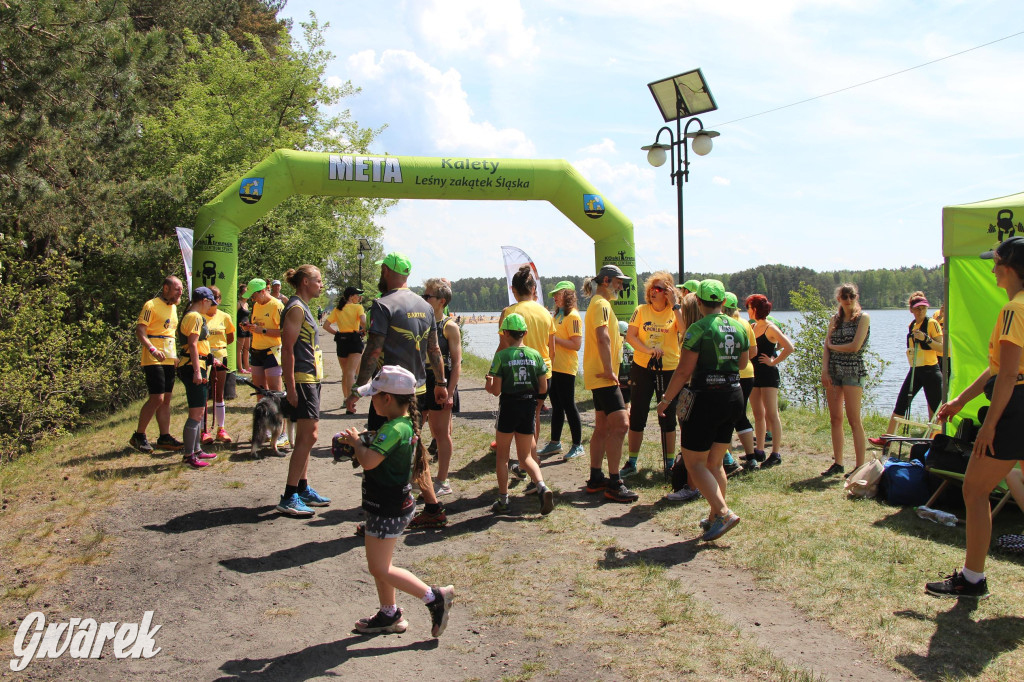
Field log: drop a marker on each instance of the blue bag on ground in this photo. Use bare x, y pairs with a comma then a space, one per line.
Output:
904, 483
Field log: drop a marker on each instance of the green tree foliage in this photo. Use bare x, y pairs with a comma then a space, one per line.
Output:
802, 376
118, 120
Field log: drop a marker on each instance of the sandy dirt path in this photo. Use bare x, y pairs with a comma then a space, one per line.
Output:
244, 593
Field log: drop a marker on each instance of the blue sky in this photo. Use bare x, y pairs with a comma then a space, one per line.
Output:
853, 180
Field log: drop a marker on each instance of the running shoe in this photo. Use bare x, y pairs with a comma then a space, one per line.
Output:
443, 488
382, 623
494, 446
597, 485
547, 501
552, 448
833, 470
500, 506
774, 459
731, 468
206, 438
530, 489
312, 498
205, 455
518, 471
439, 609
627, 470
195, 462
140, 443
767, 437
427, 519
728, 460
720, 525
880, 441
756, 456
956, 585
618, 492
574, 452
168, 442
684, 494
282, 441
222, 436
292, 505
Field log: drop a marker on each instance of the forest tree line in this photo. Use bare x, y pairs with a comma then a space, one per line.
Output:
879, 288
119, 119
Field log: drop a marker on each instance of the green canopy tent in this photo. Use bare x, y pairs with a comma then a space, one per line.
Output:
972, 298
288, 172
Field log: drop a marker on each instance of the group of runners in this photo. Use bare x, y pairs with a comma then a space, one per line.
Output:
692, 352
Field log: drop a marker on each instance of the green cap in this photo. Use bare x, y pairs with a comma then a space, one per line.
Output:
397, 262
690, 285
513, 322
562, 286
254, 286
731, 301
711, 290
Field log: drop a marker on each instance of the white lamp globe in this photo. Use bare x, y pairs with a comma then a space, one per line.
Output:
656, 156
701, 145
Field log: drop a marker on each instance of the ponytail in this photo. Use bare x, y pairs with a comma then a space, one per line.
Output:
420, 468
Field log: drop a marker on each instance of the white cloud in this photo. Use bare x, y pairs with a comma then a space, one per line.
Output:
605, 146
719, 180
494, 28
620, 182
427, 96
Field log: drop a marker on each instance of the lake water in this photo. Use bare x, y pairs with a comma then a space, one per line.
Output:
888, 339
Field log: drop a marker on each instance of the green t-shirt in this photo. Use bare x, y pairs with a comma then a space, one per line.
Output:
626, 364
719, 342
519, 368
386, 487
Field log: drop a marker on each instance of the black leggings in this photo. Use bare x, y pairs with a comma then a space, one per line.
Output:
743, 424
642, 386
562, 391
929, 379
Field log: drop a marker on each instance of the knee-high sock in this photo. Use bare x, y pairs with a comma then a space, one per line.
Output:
190, 435
219, 412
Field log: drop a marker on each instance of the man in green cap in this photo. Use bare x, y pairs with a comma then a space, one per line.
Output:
518, 374
689, 286
402, 332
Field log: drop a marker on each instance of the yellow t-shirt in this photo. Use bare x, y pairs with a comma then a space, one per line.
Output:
748, 371
567, 361
194, 323
657, 329
599, 314
925, 358
942, 325
266, 315
346, 320
1009, 327
161, 321
220, 325
539, 327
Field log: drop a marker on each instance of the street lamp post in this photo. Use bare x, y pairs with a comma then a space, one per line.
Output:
681, 97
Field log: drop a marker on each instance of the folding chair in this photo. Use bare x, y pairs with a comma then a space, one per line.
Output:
1001, 491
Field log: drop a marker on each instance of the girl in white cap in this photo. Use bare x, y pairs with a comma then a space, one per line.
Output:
390, 462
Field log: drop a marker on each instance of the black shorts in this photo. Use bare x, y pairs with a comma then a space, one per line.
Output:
516, 414
348, 343
608, 399
262, 358
243, 334
765, 376
712, 419
309, 403
195, 394
431, 405
1008, 443
159, 378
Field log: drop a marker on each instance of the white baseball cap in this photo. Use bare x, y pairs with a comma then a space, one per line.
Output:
390, 379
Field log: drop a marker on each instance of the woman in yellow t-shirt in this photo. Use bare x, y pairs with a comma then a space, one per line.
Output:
348, 324
565, 364
924, 335
999, 445
654, 335
222, 334
193, 361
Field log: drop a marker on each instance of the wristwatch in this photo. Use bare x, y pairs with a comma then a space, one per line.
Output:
677, 307
443, 384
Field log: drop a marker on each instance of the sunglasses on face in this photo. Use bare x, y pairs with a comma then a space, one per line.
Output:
659, 289
427, 297
848, 297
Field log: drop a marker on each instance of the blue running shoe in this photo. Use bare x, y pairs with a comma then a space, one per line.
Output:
312, 498
574, 452
292, 505
628, 469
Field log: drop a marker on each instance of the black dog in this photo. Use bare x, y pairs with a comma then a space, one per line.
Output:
267, 418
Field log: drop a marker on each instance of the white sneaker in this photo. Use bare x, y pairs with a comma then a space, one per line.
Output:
282, 441
684, 494
443, 488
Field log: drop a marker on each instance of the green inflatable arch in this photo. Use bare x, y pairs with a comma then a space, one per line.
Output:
287, 172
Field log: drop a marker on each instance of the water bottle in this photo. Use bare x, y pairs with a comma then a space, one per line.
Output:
936, 516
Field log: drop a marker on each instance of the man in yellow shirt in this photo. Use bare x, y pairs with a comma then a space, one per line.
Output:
265, 325
155, 330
